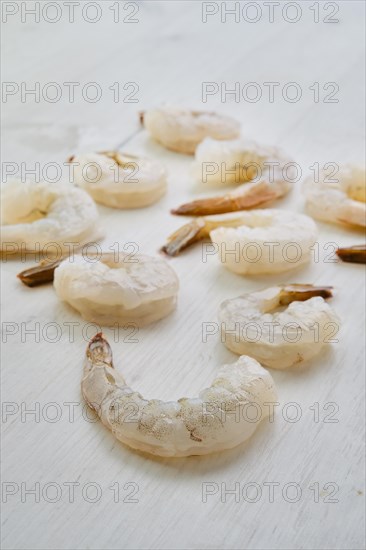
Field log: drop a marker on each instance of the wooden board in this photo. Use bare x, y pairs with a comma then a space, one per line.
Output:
167, 503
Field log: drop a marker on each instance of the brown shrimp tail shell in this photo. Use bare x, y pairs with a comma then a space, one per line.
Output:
222, 205
302, 292
184, 237
353, 254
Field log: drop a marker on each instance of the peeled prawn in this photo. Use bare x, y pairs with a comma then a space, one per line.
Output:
246, 196
118, 290
120, 180
254, 242
268, 241
213, 421
284, 338
238, 161
198, 229
34, 215
182, 130
44, 271
340, 199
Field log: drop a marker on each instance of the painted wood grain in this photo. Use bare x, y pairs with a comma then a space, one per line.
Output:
161, 503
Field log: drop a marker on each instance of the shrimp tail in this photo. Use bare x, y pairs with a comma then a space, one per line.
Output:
353, 254
44, 272
39, 275
99, 351
232, 202
204, 207
301, 292
184, 237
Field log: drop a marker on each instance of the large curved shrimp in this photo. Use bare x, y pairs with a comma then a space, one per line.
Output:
182, 130
213, 421
111, 290
339, 200
34, 215
238, 161
120, 180
248, 195
279, 339
258, 241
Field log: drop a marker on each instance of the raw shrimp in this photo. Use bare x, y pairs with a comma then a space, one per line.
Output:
44, 271
238, 161
34, 215
182, 130
199, 229
268, 241
284, 338
338, 199
255, 242
120, 180
118, 290
248, 195
215, 420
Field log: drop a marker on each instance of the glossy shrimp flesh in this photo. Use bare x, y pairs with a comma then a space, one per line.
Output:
182, 130
268, 241
279, 339
253, 242
34, 215
120, 180
238, 161
340, 198
118, 290
214, 421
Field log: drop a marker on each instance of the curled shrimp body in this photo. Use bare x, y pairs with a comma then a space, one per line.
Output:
279, 339
213, 421
340, 199
237, 161
111, 290
248, 195
254, 242
182, 130
267, 241
199, 229
120, 180
33, 215
258, 241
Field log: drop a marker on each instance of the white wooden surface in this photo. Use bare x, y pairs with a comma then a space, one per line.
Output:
169, 53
